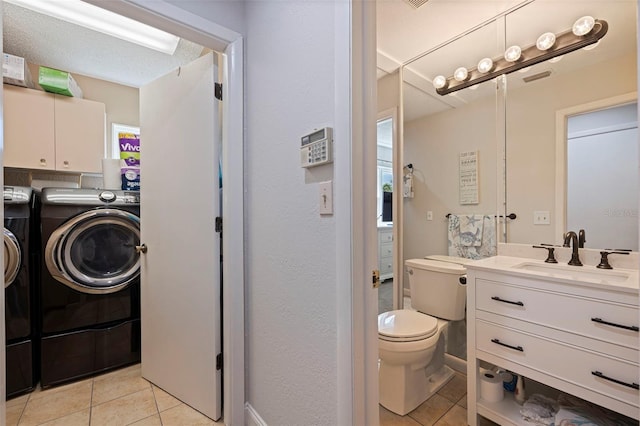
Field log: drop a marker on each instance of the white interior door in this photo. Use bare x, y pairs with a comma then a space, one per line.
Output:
180, 289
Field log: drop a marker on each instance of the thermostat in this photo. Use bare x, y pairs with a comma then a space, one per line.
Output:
315, 148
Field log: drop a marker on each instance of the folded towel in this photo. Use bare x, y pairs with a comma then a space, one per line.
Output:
471, 230
539, 410
488, 246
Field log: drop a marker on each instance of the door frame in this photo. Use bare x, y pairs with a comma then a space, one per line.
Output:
182, 23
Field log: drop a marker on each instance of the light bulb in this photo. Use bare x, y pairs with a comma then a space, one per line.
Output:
461, 74
556, 59
512, 54
439, 82
545, 41
485, 65
583, 25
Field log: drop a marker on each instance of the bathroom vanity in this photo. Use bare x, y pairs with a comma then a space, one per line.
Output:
571, 328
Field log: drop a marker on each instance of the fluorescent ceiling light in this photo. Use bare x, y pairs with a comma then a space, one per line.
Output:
98, 19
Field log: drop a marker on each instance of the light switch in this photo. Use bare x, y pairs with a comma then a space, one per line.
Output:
326, 198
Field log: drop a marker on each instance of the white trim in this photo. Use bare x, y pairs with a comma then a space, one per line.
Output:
253, 418
561, 151
356, 235
348, 389
175, 20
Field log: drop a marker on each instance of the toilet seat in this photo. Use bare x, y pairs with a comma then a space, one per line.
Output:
406, 326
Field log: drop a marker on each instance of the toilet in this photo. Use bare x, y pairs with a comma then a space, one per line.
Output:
411, 344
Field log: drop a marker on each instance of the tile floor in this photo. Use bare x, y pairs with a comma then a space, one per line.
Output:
118, 398
448, 407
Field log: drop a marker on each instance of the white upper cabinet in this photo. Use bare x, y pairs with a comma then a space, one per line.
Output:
52, 132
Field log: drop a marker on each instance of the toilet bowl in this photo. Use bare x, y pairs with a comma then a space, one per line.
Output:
411, 344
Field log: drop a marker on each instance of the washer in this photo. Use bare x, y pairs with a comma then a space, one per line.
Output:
18, 291
90, 282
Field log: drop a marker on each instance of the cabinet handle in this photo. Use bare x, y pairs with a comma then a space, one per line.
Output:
620, 382
517, 348
65, 163
43, 162
507, 301
613, 324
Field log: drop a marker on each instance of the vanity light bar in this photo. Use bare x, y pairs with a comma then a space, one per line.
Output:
565, 42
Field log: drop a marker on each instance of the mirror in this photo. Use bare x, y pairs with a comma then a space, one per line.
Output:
537, 113
510, 123
439, 134
439, 131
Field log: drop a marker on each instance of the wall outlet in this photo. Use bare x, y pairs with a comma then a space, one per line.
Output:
429, 215
541, 218
326, 198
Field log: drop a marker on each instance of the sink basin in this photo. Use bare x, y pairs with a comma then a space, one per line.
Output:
576, 273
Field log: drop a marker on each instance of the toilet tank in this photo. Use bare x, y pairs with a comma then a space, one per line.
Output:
436, 288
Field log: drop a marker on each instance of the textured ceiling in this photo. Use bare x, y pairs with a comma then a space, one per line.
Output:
47, 41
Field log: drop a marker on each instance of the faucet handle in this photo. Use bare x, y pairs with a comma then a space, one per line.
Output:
604, 258
550, 252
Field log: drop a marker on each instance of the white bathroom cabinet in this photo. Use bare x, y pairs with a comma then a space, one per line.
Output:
52, 132
385, 252
554, 331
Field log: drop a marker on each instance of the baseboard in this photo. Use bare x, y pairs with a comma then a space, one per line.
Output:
253, 418
458, 364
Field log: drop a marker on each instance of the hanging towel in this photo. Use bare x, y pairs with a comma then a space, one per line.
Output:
471, 230
488, 246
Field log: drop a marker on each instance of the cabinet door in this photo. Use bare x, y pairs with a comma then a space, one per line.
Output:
80, 133
28, 129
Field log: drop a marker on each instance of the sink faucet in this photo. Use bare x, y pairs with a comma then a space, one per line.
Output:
571, 240
581, 238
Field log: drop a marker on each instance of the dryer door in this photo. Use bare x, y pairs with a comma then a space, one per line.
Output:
95, 252
12, 257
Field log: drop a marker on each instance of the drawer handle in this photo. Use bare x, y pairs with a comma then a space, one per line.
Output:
613, 324
507, 301
517, 348
602, 376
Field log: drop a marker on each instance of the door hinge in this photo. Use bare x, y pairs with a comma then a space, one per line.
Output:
376, 278
218, 224
219, 362
218, 91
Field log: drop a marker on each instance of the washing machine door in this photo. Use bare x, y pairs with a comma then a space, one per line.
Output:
12, 257
95, 252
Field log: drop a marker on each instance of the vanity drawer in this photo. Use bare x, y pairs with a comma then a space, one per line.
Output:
386, 265
565, 362
385, 236
598, 319
386, 249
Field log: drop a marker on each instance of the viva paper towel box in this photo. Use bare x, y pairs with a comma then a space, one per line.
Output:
130, 161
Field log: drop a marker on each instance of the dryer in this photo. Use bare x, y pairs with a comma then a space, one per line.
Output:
90, 282
18, 291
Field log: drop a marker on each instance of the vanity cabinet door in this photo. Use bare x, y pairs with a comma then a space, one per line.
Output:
28, 129
79, 134
606, 321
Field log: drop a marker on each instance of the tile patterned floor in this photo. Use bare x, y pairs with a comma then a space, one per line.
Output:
448, 407
118, 398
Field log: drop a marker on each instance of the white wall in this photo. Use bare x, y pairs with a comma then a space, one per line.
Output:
290, 249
